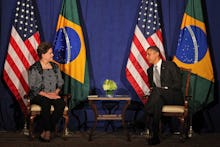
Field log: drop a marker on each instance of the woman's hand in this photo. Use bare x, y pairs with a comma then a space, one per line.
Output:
50, 95
53, 95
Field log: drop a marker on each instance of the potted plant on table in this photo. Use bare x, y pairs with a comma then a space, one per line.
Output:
109, 86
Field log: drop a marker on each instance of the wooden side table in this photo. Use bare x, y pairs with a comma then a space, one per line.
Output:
118, 117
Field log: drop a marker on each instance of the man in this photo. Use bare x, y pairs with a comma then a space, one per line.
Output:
165, 85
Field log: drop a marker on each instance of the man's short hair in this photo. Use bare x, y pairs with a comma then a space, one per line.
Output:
155, 48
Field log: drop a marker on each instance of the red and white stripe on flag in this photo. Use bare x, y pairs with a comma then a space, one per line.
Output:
147, 33
22, 53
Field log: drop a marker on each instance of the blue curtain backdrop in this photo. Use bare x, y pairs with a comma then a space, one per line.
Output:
108, 26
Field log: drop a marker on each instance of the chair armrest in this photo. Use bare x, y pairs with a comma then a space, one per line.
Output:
66, 98
145, 96
186, 101
188, 97
27, 97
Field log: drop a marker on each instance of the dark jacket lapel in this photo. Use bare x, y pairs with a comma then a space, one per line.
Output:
163, 68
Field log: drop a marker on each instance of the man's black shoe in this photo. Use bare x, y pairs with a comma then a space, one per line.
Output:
154, 141
43, 139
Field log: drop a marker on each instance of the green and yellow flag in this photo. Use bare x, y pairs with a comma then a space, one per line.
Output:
70, 52
193, 53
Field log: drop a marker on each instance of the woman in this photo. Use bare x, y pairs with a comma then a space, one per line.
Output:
45, 82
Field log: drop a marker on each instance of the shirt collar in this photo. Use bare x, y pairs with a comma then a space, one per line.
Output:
158, 64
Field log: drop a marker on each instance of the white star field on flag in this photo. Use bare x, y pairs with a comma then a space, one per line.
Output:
24, 19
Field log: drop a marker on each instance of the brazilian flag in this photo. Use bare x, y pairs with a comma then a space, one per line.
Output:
70, 52
193, 53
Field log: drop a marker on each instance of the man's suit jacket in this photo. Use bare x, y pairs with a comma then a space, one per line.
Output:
171, 79
169, 75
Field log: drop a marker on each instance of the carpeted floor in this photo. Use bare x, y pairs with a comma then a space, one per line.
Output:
107, 139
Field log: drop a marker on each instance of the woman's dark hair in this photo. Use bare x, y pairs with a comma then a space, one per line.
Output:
43, 48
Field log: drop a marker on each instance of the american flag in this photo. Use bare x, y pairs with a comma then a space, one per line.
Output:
23, 42
147, 33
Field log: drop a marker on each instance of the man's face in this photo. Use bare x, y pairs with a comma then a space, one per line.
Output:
152, 56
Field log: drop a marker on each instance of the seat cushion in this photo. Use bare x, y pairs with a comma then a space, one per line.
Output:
37, 108
173, 109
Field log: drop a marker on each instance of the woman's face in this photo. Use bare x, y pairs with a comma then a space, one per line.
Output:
48, 56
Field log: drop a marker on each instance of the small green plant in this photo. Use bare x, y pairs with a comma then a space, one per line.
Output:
109, 86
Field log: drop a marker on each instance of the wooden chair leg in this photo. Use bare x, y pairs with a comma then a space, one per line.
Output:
65, 130
31, 134
187, 128
25, 130
182, 119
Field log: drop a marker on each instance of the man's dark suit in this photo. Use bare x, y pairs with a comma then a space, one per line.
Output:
169, 93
